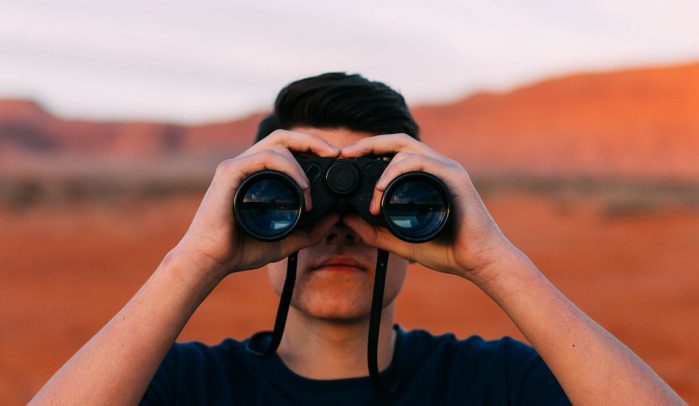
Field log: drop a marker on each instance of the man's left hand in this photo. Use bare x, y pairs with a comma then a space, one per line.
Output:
476, 243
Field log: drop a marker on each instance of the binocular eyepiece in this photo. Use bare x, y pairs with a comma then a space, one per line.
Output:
269, 205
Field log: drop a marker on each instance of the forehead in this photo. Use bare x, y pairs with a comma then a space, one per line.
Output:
339, 137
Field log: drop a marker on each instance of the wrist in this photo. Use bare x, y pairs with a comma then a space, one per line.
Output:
197, 268
503, 262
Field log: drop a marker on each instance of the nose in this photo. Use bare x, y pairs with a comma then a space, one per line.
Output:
341, 234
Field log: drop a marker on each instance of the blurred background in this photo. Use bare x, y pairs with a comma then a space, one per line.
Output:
579, 122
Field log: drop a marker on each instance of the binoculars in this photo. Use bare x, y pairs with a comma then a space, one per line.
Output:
269, 205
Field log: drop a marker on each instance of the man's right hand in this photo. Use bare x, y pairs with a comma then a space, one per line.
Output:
215, 244
117, 364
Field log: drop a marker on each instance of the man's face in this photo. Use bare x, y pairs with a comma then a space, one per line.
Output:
335, 278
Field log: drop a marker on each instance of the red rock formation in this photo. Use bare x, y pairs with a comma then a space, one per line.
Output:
26, 128
632, 123
641, 123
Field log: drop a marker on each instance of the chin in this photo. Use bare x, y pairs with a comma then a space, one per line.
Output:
342, 297
334, 306
338, 317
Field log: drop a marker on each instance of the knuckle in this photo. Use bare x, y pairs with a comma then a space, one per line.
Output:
454, 164
403, 157
277, 136
400, 156
225, 166
269, 154
365, 142
409, 160
299, 172
278, 133
405, 138
312, 136
280, 151
429, 159
277, 160
449, 163
261, 158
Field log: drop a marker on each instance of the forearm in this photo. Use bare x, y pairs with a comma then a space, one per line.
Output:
592, 366
117, 364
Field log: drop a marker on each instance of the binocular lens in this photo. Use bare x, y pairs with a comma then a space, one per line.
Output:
416, 207
268, 206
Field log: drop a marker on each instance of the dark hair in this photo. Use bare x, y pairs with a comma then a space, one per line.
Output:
339, 100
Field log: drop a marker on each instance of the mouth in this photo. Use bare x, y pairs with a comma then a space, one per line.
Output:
340, 264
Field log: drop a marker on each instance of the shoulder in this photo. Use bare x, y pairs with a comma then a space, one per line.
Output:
504, 365
473, 347
191, 368
200, 351
195, 353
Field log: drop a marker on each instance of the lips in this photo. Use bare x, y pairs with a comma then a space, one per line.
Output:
340, 263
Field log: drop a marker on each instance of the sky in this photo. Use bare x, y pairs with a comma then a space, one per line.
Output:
209, 60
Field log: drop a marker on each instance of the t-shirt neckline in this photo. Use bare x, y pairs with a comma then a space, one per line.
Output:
273, 369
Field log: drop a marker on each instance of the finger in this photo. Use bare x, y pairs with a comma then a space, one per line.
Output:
232, 172
376, 196
299, 142
383, 145
411, 163
303, 238
378, 237
407, 163
306, 191
402, 156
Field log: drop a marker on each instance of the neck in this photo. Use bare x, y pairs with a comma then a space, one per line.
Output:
323, 349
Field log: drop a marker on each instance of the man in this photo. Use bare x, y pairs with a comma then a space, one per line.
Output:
322, 356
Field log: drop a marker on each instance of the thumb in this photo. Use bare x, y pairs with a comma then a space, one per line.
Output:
378, 237
302, 238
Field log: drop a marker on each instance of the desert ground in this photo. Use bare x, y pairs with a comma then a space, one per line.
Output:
67, 268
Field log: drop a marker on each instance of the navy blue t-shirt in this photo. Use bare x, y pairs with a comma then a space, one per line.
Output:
431, 370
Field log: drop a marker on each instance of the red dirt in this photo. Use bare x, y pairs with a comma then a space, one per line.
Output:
66, 271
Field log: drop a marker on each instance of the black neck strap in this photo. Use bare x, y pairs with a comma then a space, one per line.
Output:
258, 345
390, 384
261, 348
